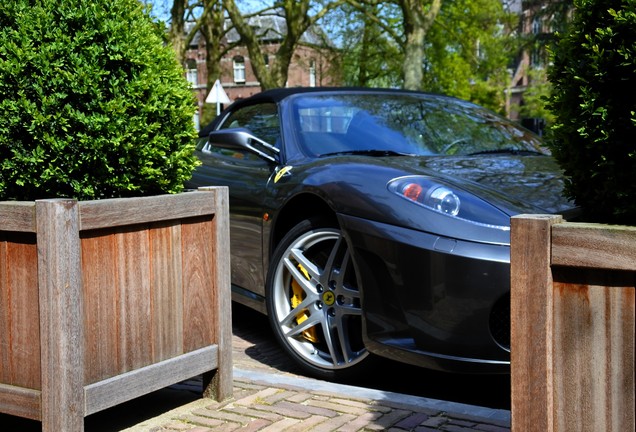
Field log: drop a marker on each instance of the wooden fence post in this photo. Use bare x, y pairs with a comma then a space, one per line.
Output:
531, 320
218, 384
61, 315
572, 325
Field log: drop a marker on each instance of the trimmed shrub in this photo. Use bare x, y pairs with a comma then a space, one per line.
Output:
93, 104
594, 101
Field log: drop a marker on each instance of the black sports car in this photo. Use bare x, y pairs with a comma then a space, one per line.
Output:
377, 221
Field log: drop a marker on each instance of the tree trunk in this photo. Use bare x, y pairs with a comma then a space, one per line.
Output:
413, 59
251, 41
418, 17
213, 31
177, 29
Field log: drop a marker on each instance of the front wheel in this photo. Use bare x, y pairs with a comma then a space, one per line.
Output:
313, 301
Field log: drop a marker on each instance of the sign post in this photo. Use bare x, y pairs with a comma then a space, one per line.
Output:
217, 95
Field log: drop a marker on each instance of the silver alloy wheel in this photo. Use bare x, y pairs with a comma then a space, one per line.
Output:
316, 301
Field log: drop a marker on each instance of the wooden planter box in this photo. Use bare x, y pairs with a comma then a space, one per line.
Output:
104, 301
572, 325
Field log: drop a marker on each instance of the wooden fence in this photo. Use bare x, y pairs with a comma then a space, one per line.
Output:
104, 301
572, 325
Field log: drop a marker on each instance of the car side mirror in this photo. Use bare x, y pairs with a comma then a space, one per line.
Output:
243, 139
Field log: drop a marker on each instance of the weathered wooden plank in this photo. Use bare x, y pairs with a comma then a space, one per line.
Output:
19, 312
110, 392
61, 315
167, 290
594, 245
121, 211
17, 216
593, 351
199, 268
101, 296
133, 284
5, 314
19, 401
218, 384
531, 323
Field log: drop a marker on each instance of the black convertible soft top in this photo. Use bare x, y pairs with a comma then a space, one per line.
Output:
278, 94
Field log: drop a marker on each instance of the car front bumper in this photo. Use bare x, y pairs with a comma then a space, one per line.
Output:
432, 301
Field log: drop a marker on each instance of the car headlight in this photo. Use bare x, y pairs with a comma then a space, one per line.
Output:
449, 200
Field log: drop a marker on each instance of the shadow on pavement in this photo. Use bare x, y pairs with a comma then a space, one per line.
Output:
119, 417
492, 391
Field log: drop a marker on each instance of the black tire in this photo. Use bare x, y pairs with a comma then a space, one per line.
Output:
313, 302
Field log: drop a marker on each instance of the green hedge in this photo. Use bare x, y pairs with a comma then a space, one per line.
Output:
594, 101
93, 104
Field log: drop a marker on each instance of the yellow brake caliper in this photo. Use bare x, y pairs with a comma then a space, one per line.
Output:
296, 299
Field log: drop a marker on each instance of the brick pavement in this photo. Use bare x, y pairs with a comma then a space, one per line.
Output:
263, 402
271, 396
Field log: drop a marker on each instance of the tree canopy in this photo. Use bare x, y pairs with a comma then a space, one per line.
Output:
457, 47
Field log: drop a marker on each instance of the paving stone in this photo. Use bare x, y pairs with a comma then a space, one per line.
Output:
299, 397
462, 423
310, 408
255, 425
261, 414
412, 421
280, 425
491, 428
360, 423
333, 424
284, 410
223, 415
392, 417
258, 397
336, 407
204, 421
456, 428
435, 422
307, 424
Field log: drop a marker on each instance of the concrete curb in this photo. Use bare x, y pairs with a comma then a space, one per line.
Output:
414, 402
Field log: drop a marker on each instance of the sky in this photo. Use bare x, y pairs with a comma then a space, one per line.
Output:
161, 8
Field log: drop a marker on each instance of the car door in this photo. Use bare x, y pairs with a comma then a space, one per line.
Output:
246, 175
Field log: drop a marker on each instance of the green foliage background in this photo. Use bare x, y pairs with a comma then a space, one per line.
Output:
466, 50
594, 101
92, 102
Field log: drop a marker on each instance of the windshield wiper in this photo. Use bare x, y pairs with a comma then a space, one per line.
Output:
516, 152
368, 153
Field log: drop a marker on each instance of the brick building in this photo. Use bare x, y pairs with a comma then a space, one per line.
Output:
537, 19
311, 64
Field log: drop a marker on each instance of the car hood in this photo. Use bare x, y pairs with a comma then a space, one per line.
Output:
513, 183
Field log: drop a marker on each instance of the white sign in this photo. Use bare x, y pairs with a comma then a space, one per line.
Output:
217, 95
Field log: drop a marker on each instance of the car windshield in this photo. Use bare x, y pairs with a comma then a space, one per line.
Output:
404, 124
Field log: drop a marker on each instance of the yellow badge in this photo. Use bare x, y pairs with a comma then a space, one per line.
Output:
284, 170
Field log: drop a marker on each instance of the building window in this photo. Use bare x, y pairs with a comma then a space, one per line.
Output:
536, 57
312, 73
192, 74
537, 26
239, 69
